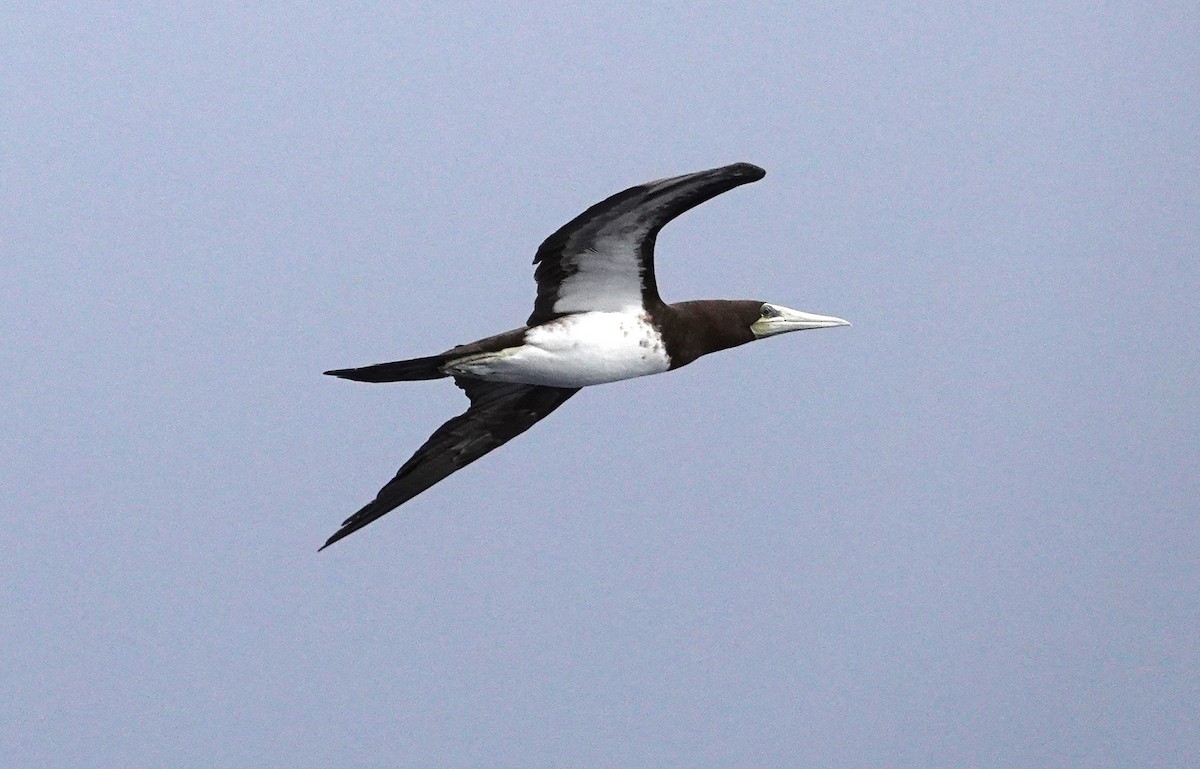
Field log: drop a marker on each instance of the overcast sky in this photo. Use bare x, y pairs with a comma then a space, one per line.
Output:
961, 533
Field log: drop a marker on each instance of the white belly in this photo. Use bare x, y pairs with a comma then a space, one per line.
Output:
575, 351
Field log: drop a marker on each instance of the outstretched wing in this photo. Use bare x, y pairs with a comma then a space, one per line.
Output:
603, 259
498, 413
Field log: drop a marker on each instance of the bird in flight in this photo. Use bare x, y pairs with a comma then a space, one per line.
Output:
597, 318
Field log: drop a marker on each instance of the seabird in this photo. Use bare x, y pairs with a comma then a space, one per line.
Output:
597, 318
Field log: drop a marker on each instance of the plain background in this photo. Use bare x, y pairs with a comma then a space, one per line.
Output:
962, 533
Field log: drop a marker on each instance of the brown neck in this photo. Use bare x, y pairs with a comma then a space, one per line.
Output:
692, 329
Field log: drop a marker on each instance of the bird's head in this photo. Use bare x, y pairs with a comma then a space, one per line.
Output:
774, 319
693, 329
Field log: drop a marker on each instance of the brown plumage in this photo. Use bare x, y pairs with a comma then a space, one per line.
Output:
597, 318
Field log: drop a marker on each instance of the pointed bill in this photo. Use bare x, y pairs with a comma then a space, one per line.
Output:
780, 320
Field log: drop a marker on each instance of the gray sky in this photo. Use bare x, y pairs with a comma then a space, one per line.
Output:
962, 533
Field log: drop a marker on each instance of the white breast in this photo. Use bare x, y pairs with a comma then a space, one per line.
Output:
575, 351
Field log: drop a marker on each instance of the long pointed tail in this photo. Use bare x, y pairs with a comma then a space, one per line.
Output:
396, 371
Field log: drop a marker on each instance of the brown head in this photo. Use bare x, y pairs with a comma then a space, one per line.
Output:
693, 329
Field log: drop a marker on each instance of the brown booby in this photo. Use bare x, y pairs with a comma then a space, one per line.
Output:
597, 318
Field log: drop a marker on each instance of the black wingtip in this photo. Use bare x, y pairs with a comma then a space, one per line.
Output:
749, 169
351, 525
336, 536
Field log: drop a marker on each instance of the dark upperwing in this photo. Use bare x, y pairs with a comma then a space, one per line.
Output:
498, 413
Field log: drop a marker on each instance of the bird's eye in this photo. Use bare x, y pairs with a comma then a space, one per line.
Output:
767, 311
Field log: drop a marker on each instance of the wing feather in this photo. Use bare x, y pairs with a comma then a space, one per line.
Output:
603, 259
498, 413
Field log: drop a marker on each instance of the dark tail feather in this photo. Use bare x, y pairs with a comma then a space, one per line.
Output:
396, 371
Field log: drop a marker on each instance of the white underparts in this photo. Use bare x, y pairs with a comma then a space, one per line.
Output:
577, 350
